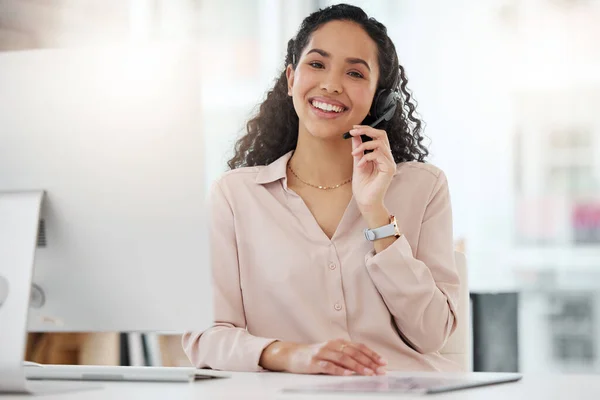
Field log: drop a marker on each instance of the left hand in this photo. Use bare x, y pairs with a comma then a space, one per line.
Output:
372, 172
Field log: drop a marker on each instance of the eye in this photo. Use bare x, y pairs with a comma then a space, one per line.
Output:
355, 74
315, 64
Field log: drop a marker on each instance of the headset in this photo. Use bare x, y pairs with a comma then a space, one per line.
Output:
382, 109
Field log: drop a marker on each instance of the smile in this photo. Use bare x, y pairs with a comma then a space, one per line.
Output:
327, 107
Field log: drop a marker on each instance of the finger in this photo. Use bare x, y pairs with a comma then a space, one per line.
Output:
376, 157
359, 356
345, 361
370, 132
369, 353
373, 133
371, 145
356, 142
330, 368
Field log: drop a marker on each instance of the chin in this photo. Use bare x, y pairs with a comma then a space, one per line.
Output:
327, 133
327, 130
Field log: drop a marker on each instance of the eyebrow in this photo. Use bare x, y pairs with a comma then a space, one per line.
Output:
350, 60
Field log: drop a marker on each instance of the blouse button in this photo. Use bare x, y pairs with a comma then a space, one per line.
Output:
332, 266
337, 306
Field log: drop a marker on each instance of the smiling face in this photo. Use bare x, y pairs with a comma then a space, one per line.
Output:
335, 79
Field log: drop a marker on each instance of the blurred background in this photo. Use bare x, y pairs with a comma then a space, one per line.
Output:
510, 93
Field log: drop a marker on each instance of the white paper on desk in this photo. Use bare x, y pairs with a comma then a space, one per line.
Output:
406, 384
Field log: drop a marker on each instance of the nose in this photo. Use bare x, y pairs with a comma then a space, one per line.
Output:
331, 84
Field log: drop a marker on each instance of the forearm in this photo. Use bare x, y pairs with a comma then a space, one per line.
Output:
225, 347
429, 332
275, 357
423, 307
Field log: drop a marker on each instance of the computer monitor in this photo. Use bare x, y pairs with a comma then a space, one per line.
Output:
112, 137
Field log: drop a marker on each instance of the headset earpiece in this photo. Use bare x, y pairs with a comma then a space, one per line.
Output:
384, 105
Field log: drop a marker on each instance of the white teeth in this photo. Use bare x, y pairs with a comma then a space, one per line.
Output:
327, 107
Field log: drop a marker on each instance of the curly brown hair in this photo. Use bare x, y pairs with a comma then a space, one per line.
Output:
273, 131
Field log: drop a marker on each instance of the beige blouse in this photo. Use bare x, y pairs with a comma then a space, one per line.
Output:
277, 276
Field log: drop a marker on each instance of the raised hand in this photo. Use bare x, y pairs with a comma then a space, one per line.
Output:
373, 172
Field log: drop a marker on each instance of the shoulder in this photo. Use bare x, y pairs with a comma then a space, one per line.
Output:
238, 176
234, 182
420, 171
418, 176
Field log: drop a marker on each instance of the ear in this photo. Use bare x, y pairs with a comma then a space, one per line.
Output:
289, 74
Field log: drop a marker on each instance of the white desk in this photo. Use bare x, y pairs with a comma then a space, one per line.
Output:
267, 386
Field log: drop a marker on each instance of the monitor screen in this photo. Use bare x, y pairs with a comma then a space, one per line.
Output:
112, 136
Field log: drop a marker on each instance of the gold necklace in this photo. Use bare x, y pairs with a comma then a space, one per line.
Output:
318, 186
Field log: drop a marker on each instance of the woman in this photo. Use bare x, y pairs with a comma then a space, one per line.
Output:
299, 285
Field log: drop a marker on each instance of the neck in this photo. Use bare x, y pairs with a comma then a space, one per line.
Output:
324, 162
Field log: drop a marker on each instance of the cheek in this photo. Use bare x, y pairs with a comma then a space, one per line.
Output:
361, 101
298, 92
300, 79
306, 81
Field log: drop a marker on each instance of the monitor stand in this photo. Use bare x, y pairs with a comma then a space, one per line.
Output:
19, 220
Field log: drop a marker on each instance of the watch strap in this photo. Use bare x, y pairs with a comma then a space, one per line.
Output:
388, 230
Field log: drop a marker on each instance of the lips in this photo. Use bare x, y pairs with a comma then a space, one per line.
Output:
328, 101
326, 105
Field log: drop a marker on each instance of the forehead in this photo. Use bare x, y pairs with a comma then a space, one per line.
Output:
344, 39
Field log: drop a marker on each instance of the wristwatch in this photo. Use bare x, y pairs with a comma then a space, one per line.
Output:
383, 231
